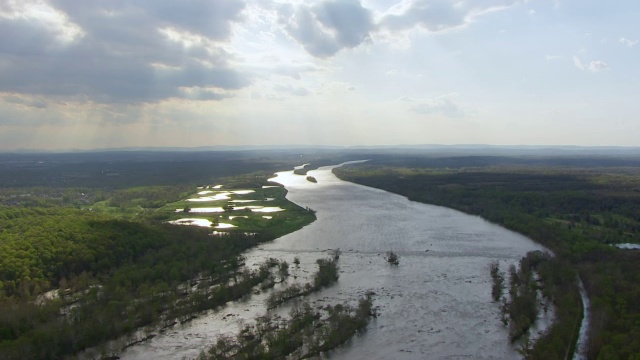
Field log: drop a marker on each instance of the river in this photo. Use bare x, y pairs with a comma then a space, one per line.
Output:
436, 304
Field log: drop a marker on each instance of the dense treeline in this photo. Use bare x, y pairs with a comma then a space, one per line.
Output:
126, 169
540, 279
578, 212
41, 247
131, 292
113, 267
559, 284
143, 284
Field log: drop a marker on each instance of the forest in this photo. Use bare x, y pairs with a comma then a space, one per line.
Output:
86, 255
577, 207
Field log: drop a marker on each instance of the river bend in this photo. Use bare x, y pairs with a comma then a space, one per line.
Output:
436, 304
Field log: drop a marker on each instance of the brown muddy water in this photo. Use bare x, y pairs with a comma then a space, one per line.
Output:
436, 304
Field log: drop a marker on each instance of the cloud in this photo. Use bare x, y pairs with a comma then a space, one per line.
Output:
38, 15
325, 28
119, 51
26, 101
196, 93
593, 66
29, 111
439, 105
440, 15
294, 70
290, 89
628, 42
554, 57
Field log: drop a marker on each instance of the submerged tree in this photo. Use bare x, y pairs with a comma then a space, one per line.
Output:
392, 258
497, 287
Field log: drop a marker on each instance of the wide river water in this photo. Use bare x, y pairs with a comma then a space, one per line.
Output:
435, 305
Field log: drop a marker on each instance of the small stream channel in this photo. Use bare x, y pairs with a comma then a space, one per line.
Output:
581, 344
436, 304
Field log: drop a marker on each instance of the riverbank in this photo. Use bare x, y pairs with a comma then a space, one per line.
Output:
576, 212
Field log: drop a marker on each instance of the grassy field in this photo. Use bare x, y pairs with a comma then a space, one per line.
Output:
255, 193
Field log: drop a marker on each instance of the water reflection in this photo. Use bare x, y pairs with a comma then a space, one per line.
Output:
192, 222
628, 246
203, 210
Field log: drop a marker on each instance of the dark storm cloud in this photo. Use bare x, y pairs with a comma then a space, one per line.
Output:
123, 55
206, 17
326, 28
24, 37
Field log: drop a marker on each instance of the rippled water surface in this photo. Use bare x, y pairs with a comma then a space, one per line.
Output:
436, 304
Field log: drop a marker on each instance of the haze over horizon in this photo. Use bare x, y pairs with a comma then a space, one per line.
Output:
94, 74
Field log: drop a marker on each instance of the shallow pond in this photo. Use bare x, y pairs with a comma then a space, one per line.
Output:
192, 222
436, 304
203, 210
628, 246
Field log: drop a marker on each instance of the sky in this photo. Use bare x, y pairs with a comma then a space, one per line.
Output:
97, 74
